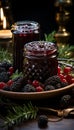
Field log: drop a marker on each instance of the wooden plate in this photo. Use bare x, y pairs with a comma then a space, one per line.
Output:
36, 95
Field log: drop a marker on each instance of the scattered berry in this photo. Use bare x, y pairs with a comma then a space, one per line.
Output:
65, 101
42, 121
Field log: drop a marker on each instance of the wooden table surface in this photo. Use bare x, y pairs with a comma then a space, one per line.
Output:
65, 124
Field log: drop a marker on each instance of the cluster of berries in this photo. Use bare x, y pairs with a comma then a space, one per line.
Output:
19, 84
6, 70
66, 74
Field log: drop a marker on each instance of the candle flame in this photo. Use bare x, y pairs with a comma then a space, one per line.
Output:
4, 22
2, 14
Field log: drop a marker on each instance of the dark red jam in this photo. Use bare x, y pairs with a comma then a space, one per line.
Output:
40, 60
23, 32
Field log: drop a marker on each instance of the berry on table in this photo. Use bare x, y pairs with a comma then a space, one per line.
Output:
65, 101
42, 121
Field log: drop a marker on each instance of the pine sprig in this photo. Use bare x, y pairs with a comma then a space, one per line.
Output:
65, 51
50, 37
5, 55
16, 74
17, 113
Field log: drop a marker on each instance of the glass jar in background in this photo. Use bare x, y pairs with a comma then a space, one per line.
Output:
22, 33
40, 60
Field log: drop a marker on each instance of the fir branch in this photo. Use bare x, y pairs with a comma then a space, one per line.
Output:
65, 51
18, 113
50, 37
16, 74
5, 55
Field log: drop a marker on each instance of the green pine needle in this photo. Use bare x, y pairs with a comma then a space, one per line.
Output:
50, 37
19, 113
16, 74
5, 55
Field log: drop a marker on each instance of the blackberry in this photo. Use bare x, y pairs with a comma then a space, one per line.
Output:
16, 86
20, 79
2, 69
7, 88
4, 77
5, 64
58, 85
42, 121
49, 87
65, 101
28, 88
63, 84
53, 80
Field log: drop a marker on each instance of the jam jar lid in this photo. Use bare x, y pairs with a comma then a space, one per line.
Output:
25, 27
40, 48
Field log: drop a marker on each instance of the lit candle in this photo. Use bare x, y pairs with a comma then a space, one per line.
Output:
5, 34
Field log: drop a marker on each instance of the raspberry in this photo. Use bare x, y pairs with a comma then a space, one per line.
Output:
39, 89
59, 69
35, 83
68, 78
10, 82
2, 84
11, 70
67, 70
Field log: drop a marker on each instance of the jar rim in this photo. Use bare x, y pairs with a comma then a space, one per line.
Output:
25, 26
40, 48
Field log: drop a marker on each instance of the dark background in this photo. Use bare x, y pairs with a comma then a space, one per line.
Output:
42, 12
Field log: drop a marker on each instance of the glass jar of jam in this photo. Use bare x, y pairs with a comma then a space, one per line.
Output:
40, 60
23, 32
